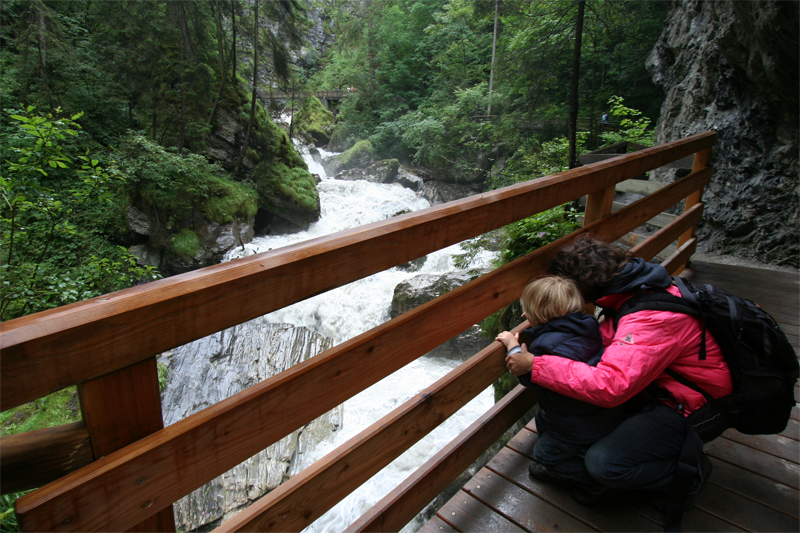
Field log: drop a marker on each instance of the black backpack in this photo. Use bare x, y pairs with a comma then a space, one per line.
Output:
763, 364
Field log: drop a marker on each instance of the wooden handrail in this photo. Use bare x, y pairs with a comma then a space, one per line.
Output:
305, 497
402, 504
130, 485
178, 459
35, 458
57, 348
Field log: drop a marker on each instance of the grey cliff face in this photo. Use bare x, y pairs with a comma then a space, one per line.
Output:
216, 367
733, 67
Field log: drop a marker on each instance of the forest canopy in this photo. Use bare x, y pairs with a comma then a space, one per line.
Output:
163, 107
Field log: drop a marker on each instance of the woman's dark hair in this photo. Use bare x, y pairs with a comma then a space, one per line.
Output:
591, 263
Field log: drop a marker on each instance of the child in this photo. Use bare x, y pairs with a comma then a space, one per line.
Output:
566, 426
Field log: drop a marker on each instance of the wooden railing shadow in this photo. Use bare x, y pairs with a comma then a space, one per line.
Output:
107, 346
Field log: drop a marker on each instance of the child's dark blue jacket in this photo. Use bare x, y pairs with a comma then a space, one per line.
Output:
577, 337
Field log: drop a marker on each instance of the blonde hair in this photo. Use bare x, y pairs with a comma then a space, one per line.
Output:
550, 297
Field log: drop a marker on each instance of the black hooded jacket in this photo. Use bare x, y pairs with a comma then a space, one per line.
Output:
577, 337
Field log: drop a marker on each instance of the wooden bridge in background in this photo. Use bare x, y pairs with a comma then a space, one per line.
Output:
120, 470
335, 94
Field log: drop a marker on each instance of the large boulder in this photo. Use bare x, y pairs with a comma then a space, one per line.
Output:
285, 187
163, 248
425, 287
358, 156
216, 367
729, 66
440, 192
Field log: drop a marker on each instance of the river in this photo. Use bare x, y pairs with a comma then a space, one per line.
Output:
355, 308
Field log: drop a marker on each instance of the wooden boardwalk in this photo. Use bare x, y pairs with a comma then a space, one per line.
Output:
753, 486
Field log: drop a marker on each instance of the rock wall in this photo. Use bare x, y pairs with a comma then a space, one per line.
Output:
733, 67
216, 367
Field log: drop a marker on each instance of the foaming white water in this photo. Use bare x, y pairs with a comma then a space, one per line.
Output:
368, 407
355, 308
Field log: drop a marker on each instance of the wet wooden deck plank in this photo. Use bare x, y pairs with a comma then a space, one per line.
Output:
776, 291
756, 461
735, 499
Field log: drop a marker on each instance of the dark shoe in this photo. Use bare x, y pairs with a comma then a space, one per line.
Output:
593, 497
540, 472
661, 500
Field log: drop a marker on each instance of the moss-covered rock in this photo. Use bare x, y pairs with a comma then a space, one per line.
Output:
289, 193
313, 121
284, 186
359, 156
185, 243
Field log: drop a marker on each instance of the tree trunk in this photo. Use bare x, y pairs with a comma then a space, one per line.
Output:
220, 47
184, 27
233, 44
573, 91
182, 135
494, 48
253, 100
155, 106
371, 45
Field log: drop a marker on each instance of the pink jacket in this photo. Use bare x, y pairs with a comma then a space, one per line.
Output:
636, 354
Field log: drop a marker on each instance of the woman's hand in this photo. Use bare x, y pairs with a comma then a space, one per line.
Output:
520, 363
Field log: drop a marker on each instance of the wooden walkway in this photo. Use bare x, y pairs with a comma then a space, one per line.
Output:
753, 486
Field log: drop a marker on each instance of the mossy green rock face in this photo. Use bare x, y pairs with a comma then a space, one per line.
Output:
313, 121
285, 187
289, 193
359, 156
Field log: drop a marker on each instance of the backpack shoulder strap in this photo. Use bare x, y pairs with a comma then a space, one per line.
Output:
649, 299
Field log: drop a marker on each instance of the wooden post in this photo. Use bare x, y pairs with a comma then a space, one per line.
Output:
702, 159
120, 408
598, 205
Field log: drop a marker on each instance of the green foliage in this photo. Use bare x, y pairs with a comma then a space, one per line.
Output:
58, 408
503, 386
52, 212
174, 184
295, 184
185, 243
8, 518
534, 160
163, 372
531, 233
632, 130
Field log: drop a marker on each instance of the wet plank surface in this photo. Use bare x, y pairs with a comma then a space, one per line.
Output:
776, 291
755, 480
750, 489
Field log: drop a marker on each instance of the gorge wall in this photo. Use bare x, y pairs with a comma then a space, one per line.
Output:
211, 369
733, 67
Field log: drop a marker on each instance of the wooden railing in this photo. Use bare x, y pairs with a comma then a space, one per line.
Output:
334, 94
107, 346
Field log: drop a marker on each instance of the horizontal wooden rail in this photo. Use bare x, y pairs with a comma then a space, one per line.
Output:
401, 505
61, 347
182, 457
640, 186
676, 262
34, 459
308, 495
668, 234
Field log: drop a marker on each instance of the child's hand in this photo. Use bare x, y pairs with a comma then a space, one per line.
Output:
510, 340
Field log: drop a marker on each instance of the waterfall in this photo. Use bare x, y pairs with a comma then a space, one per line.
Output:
355, 308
